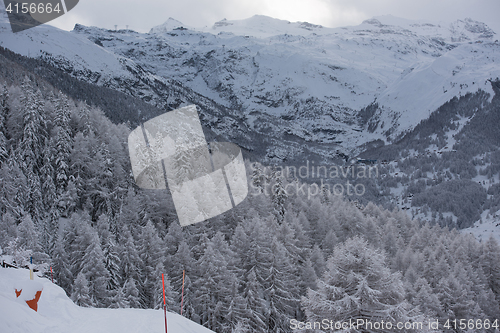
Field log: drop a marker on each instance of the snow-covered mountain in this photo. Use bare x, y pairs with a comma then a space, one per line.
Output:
287, 91
58, 314
309, 81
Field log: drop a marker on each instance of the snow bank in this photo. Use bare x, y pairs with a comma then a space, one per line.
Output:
58, 314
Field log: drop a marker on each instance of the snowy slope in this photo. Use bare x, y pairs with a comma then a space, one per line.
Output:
58, 314
488, 226
83, 57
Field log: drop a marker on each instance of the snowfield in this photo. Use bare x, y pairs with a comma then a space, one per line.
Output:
58, 314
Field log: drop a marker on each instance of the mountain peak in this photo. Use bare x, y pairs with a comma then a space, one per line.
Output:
475, 27
261, 26
168, 25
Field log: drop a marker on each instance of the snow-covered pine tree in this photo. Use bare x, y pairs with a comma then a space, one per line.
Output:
357, 285
31, 146
75, 236
171, 296
182, 261
220, 244
454, 300
279, 197
281, 289
8, 229
258, 179
4, 111
425, 299
131, 294
61, 267
490, 260
259, 252
236, 312
94, 268
241, 327
13, 188
27, 234
129, 258
253, 295
49, 223
171, 242
80, 294
67, 201
63, 143
318, 260
188, 307
308, 277
213, 287
110, 251
151, 254
118, 301
130, 209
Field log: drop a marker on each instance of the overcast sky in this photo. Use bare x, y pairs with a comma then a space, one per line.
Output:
143, 15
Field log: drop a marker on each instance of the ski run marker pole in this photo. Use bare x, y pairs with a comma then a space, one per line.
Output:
182, 297
31, 268
51, 274
164, 301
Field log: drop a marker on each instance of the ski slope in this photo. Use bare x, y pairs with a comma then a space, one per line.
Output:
58, 314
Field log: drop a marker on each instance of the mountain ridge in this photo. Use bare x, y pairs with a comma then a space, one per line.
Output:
304, 88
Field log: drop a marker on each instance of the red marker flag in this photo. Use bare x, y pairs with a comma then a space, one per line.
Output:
164, 301
182, 297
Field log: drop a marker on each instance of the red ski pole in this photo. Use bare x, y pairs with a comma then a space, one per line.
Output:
164, 301
182, 296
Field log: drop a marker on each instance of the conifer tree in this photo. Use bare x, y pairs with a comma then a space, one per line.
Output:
31, 146
94, 268
63, 144
61, 267
131, 294
318, 260
8, 228
27, 234
171, 296
213, 288
80, 295
150, 253
279, 197
357, 285
182, 261
4, 111
490, 260
110, 251
255, 303
281, 290
236, 312
188, 307
13, 188
129, 257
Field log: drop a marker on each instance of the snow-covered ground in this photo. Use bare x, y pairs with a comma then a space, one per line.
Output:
486, 227
58, 314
